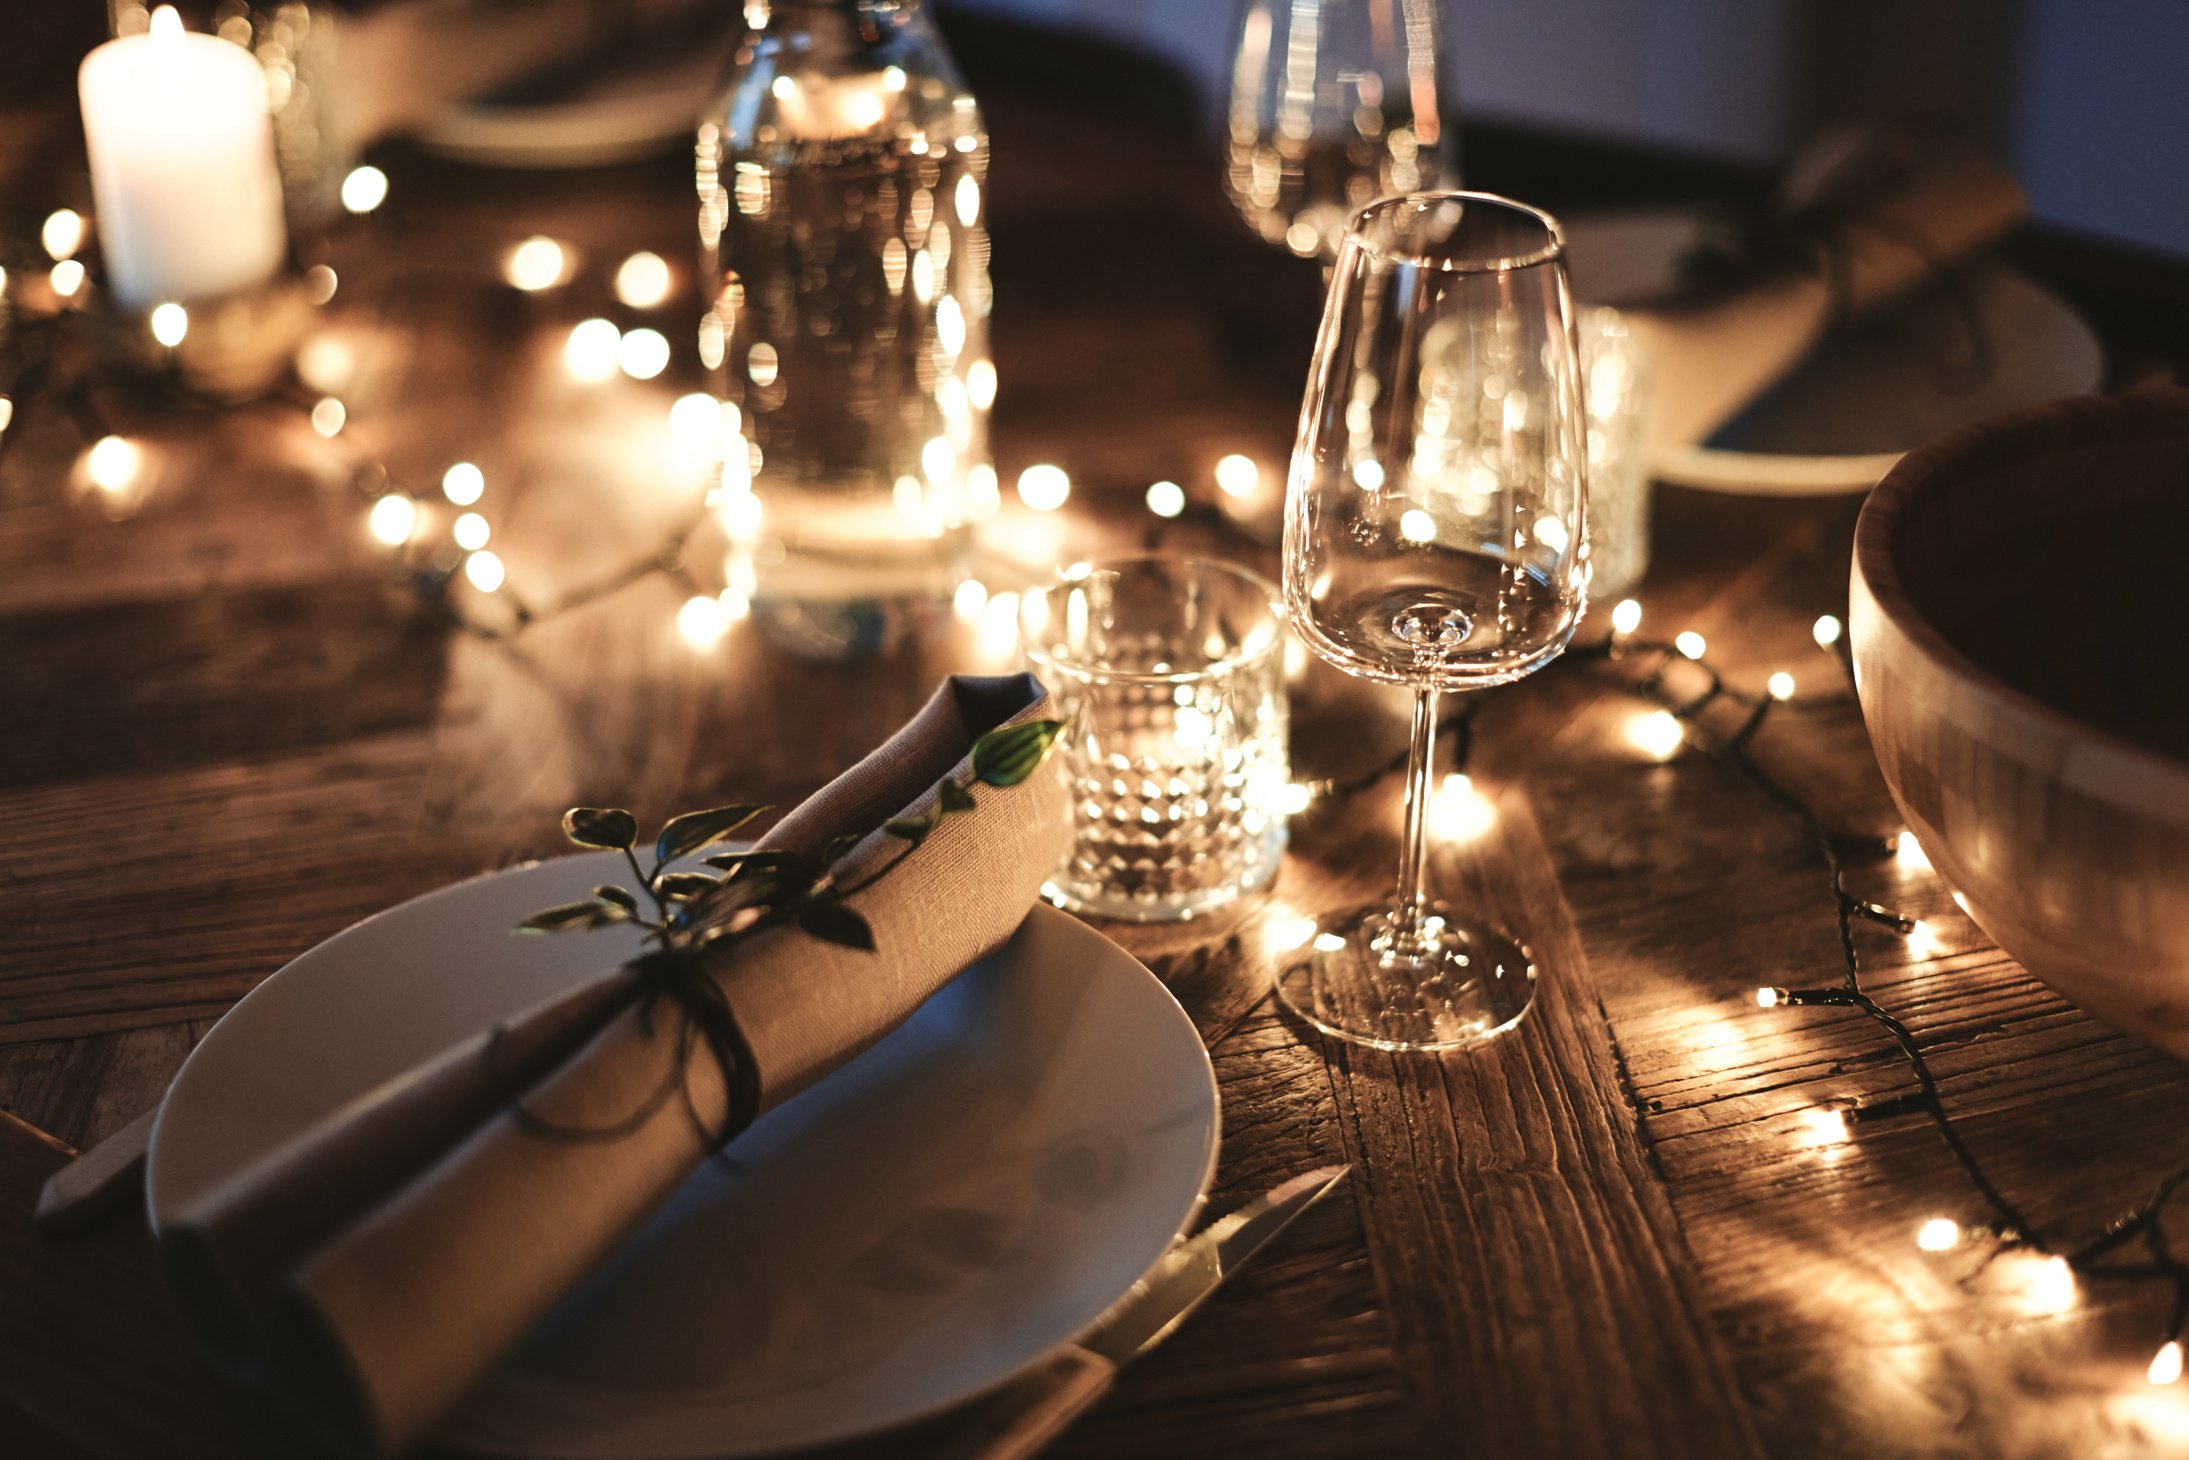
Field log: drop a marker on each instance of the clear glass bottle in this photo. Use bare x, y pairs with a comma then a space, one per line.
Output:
841, 220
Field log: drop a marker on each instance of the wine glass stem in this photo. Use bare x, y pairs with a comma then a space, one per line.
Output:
1413, 898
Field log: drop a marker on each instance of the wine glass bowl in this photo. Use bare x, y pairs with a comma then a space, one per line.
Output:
1436, 537
1334, 103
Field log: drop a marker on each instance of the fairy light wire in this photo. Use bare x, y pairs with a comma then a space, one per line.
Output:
2009, 1226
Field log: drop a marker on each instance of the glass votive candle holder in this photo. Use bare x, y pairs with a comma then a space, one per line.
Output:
1616, 378
1170, 674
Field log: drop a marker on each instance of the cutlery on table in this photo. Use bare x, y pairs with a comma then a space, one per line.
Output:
1035, 1408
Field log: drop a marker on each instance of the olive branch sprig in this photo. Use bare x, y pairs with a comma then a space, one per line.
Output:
765, 887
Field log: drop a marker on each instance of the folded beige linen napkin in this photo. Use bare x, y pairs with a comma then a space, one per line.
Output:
378, 1265
1906, 213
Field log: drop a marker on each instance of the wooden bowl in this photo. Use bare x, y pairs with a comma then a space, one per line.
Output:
2021, 647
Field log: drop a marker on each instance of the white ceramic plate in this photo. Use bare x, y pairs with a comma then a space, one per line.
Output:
1896, 379
965, 1196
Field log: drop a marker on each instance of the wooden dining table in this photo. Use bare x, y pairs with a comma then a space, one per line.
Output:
231, 725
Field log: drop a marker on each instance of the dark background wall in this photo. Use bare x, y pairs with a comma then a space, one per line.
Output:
2088, 99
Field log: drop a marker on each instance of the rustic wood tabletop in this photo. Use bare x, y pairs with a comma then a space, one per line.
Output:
228, 731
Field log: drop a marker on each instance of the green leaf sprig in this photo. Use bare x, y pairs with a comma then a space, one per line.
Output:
748, 890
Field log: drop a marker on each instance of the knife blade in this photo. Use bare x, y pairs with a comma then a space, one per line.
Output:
1034, 1409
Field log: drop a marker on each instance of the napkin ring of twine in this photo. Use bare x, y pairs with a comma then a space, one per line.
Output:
672, 977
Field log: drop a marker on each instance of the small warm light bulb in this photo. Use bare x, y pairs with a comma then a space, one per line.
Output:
980, 384
1044, 487
2052, 1285
1909, 855
1287, 933
1770, 998
329, 416
485, 571
696, 418
1462, 812
1626, 616
1368, 472
1826, 1127
1690, 644
1238, 475
471, 531
326, 364
2166, 1363
463, 484
1166, 499
365, 189
1781, 686
170, 322
741, 516
393, 519
998, 632
1923, 939
166, 24
590, 353
1657, 733
1295, 798
1939, 1234
643, 354
701, 622
113, 462
1825, 631
63, 233
969, 599
643, 280
1416, 525
67, 277
1329, 943
537, 263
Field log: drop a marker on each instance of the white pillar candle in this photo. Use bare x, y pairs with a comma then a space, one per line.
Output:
182, 164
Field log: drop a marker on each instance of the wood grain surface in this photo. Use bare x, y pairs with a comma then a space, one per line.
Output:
225, 733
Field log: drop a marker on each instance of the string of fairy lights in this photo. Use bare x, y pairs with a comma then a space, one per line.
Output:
2135, 1247
441, 536
2006, 1226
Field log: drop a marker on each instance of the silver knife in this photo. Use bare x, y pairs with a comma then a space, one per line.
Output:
1034, 1409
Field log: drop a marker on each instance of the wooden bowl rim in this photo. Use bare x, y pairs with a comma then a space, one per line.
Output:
2070, 424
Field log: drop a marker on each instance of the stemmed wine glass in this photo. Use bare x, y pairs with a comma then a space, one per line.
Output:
1334, 103
1435, 537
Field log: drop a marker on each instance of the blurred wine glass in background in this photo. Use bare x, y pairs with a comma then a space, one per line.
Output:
1334, 104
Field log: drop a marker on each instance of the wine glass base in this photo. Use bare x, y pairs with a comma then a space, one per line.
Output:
1451, 986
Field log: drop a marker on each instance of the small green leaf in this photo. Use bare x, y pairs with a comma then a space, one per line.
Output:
574, 916
914, 829
684, 886
839, 847
955, 797
686, 834
618, 896
1010, 753
832, 922
611, 829
760, 859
